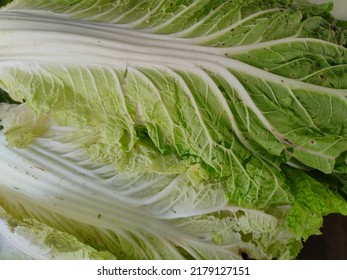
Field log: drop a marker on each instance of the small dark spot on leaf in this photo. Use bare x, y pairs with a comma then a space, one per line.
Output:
239, 214
244, 255
99, 216
282, 81
38, 167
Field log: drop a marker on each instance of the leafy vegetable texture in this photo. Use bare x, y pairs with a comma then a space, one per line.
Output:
170, 129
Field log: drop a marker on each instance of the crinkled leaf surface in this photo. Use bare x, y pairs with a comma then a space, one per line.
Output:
198, 92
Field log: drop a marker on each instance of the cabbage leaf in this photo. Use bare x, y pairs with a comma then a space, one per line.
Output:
170, 129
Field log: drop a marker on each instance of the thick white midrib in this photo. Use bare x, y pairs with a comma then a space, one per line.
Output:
79, 204
84, 47
244, 49
23, 173
39, 161
14, 20
36, 21
74, 209
60, 195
